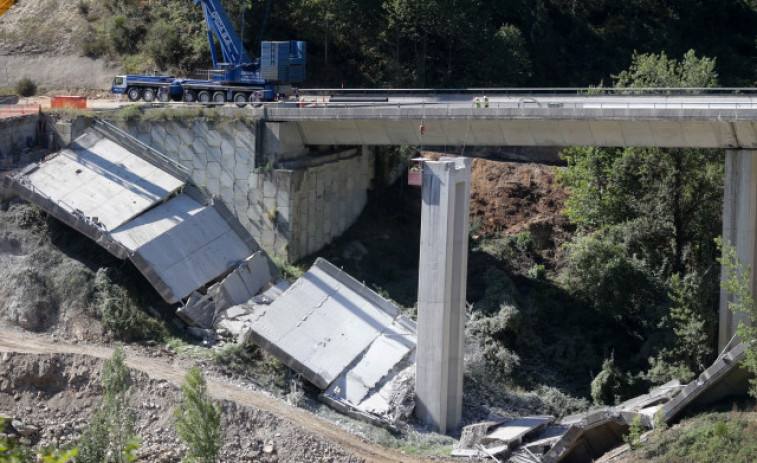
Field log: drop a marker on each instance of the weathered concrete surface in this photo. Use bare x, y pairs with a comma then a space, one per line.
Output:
326, 321
723, 378
441, 292
592, 434
106, 179
291, 201
239, 286
585, 121
341, 336
102, 180
739, 229
514, 431
182, 245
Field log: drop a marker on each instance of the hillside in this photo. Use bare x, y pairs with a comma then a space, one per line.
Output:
359, 43
44, 39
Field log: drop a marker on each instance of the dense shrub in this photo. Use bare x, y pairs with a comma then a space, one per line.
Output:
119, 312
26, 87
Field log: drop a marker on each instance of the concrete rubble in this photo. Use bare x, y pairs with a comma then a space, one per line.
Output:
342, 337
587, 436
245, 281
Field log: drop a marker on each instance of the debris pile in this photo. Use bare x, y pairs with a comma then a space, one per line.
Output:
587, 436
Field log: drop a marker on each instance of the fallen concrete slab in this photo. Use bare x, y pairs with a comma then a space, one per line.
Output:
341, 336
182, 245
125, 196
514, 431
102, 180
592, 434
723, 378
243, 283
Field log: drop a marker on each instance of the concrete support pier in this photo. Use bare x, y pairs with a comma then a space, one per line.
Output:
441, 292
739, 220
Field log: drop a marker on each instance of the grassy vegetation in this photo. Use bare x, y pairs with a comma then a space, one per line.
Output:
252, 363
707, 438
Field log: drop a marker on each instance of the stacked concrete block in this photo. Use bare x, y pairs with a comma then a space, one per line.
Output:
328, 199
290, 212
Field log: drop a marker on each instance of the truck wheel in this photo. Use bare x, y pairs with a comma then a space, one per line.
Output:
219, 97
135, 93
190, 96
203, 97
148, 95
240, 99
164, 97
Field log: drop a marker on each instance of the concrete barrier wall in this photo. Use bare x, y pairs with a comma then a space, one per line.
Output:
290, 212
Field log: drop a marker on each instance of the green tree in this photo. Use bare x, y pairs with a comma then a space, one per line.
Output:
647, 218
738, 284
110, 437
198, 420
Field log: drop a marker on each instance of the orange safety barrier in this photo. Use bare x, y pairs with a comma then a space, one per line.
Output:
72, 102
15, 110
6, 5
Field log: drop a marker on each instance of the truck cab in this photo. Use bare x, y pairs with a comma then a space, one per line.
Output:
119, 85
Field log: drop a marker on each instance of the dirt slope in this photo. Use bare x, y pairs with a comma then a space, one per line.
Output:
308, 436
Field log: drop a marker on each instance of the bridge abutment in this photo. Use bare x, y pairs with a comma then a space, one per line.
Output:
739, 228
291, 199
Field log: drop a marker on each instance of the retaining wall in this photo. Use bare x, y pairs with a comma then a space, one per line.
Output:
290, 212
17, 135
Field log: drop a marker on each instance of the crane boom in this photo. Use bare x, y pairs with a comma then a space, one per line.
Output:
219, 24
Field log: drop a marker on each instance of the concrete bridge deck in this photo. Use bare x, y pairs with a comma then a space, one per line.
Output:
696, 121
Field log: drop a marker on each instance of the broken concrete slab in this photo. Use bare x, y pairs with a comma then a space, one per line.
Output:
514, 431
592, 434
199, 311
723, 378
182, 245
393, 397
244, 282
271, 292
342, 337
326, 321
247, 279
472, 434
102, 180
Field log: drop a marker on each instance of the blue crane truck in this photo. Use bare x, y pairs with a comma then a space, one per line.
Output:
236, 78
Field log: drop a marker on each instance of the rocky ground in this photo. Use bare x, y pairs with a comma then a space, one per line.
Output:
49, 388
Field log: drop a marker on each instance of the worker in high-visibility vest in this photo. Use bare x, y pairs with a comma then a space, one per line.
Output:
477, 102
486, 101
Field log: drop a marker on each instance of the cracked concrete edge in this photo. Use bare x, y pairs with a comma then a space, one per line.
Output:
136, 147
359, 288
348, 409
77, 223
709, 378
146, 269
288, 360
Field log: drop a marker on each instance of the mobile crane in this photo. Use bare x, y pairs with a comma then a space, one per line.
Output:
237, 78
